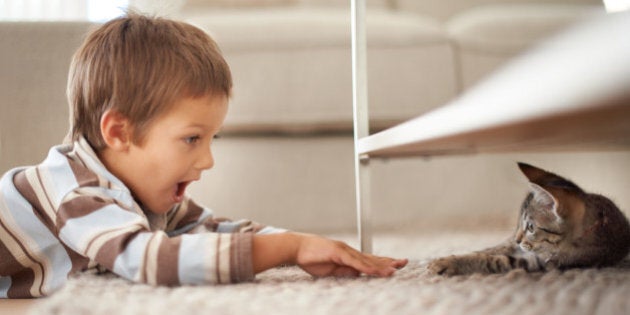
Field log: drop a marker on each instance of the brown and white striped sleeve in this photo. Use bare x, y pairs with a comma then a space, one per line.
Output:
93, 224
189, 217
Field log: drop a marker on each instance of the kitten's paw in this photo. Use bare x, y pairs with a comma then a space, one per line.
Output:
445, 266
550, 264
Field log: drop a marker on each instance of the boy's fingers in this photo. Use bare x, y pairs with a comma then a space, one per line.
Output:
373, 265
400, 263
393, 262
358, 261
385, 260
382, 266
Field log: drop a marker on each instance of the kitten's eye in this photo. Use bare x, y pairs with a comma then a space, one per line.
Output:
529, 227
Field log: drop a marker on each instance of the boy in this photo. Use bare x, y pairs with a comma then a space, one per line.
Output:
147, 96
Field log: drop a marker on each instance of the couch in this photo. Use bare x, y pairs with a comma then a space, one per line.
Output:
286, 152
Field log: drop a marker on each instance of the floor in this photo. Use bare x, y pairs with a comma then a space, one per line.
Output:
16, 307
411, 290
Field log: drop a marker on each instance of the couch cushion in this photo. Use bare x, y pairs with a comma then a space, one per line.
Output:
238, 3
292, 67
488, 36
196, 6
446, 9
346, 3
262, 3
34, 58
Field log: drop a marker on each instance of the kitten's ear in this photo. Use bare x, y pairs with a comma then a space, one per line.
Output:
547, 180
561, 195
545, 199
532, 173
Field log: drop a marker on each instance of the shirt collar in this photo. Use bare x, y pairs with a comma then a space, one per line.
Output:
84, 150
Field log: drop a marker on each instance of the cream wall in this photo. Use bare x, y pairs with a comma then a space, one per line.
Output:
307, 184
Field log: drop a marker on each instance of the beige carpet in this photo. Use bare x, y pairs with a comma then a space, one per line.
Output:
411, 291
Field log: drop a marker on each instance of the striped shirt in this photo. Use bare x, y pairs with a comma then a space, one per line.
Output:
69, 214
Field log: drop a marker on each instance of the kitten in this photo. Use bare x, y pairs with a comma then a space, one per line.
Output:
560, 226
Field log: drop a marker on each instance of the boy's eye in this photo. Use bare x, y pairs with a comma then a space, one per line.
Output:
191, 140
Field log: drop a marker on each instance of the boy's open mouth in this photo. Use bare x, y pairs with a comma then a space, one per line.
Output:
179, 192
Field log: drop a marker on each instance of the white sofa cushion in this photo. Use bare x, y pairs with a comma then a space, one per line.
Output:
446, 9
238, 3
34, 58
292, 67
513, 28
488, 36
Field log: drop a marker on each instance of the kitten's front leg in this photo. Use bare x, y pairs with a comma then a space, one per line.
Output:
472, 263
493, 260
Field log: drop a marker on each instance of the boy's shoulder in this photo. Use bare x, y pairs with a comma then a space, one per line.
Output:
65, 169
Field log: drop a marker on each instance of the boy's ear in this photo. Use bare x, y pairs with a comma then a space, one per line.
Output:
116, 130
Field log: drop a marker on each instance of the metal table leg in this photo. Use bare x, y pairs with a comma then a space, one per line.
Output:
361, 123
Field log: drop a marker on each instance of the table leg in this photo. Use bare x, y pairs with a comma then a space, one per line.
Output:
361, 122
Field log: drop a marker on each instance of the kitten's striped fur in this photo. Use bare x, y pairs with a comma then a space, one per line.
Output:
560, 226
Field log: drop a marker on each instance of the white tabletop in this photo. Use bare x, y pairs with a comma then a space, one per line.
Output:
572, 92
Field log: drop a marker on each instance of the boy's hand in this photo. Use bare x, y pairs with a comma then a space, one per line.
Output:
323, 257
319, 256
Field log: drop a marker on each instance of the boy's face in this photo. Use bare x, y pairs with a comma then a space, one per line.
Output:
174, 152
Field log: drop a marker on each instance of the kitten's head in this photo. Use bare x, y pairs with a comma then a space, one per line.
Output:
566, 226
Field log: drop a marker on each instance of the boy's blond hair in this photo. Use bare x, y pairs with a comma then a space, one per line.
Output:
139, 66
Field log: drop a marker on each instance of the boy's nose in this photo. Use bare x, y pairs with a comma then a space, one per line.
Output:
206, 160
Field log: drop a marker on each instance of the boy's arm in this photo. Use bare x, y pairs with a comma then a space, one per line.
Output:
111, 232
314, 254
120, 240
189, 217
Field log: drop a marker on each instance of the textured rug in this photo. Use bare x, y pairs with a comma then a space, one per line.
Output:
288, 290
